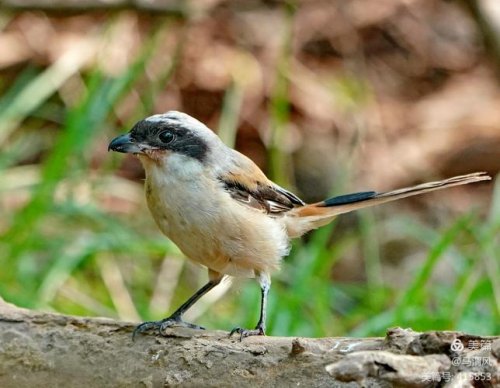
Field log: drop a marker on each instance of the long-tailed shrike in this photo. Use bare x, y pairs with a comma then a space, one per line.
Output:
223, 212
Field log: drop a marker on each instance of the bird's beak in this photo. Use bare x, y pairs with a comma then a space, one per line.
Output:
125, 144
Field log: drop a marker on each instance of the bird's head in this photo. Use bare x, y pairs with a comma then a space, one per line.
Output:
157, 137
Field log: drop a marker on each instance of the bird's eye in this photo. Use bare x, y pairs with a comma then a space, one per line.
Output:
166, 137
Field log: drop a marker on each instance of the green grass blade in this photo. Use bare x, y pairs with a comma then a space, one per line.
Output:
38, 90
415, 293
231, 108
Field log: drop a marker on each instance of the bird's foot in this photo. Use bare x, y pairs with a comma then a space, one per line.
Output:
161, 326
259, 330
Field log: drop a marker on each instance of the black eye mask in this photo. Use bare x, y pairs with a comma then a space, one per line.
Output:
170, 136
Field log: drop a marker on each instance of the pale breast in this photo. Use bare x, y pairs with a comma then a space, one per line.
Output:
210, 227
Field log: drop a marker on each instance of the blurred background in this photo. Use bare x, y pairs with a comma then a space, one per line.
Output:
327, 97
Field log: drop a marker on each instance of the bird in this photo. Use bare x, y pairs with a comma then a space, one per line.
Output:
222, 211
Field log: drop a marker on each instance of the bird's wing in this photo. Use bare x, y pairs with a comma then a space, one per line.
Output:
247, 184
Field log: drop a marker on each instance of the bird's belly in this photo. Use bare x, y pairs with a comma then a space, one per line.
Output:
217, 232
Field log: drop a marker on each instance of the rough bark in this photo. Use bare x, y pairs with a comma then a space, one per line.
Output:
42, 349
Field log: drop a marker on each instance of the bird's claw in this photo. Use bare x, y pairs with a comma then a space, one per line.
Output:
164, 324
259, 330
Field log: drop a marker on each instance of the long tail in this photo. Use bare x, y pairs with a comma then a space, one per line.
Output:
312, 216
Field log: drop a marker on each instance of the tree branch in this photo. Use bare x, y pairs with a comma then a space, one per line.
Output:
43, 349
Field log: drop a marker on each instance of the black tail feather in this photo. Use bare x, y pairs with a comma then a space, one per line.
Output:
350, 198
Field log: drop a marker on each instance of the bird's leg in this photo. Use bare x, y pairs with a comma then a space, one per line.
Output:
260, 329
176, 318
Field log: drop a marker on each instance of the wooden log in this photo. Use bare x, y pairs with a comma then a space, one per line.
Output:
50, 350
